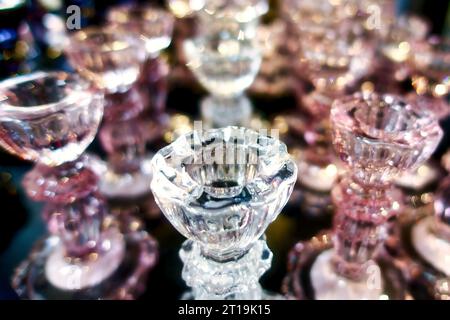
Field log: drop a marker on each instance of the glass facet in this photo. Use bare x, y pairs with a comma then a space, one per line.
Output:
49, 119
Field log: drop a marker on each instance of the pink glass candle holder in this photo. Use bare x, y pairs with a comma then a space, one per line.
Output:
318, 167
332, 59
153, 26
109, 58
98, 54
377, 137
430, 66
274, 75
51, 118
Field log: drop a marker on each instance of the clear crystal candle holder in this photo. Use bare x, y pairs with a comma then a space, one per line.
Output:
111, 59
221, 188
378, 137
51, 118
225, 64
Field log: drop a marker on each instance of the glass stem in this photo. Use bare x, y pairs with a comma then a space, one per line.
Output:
74, 211
126, 146
79, 225
220, 111
153, 83
359, 226
122, 134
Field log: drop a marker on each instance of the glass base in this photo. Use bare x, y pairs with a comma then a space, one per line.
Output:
311, 277
232, 279
433, 249
328, 285
120, 274
124, 186
415, 259
65, 274
219, 113
265, 295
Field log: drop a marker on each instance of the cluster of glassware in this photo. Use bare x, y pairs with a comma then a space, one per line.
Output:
351, 262
362, 141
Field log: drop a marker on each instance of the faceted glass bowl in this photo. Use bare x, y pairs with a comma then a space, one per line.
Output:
334, 58
153, 26
109, 58
380, 136
223, 187
241, 11
50, 118
308, 15
225, 66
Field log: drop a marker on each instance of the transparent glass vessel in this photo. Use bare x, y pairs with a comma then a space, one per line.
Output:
429, 66
153, 26
51, 118
332, 59
243, 15
226, 64
221, 188
225, 58
378, 137
111, 59
274, 77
